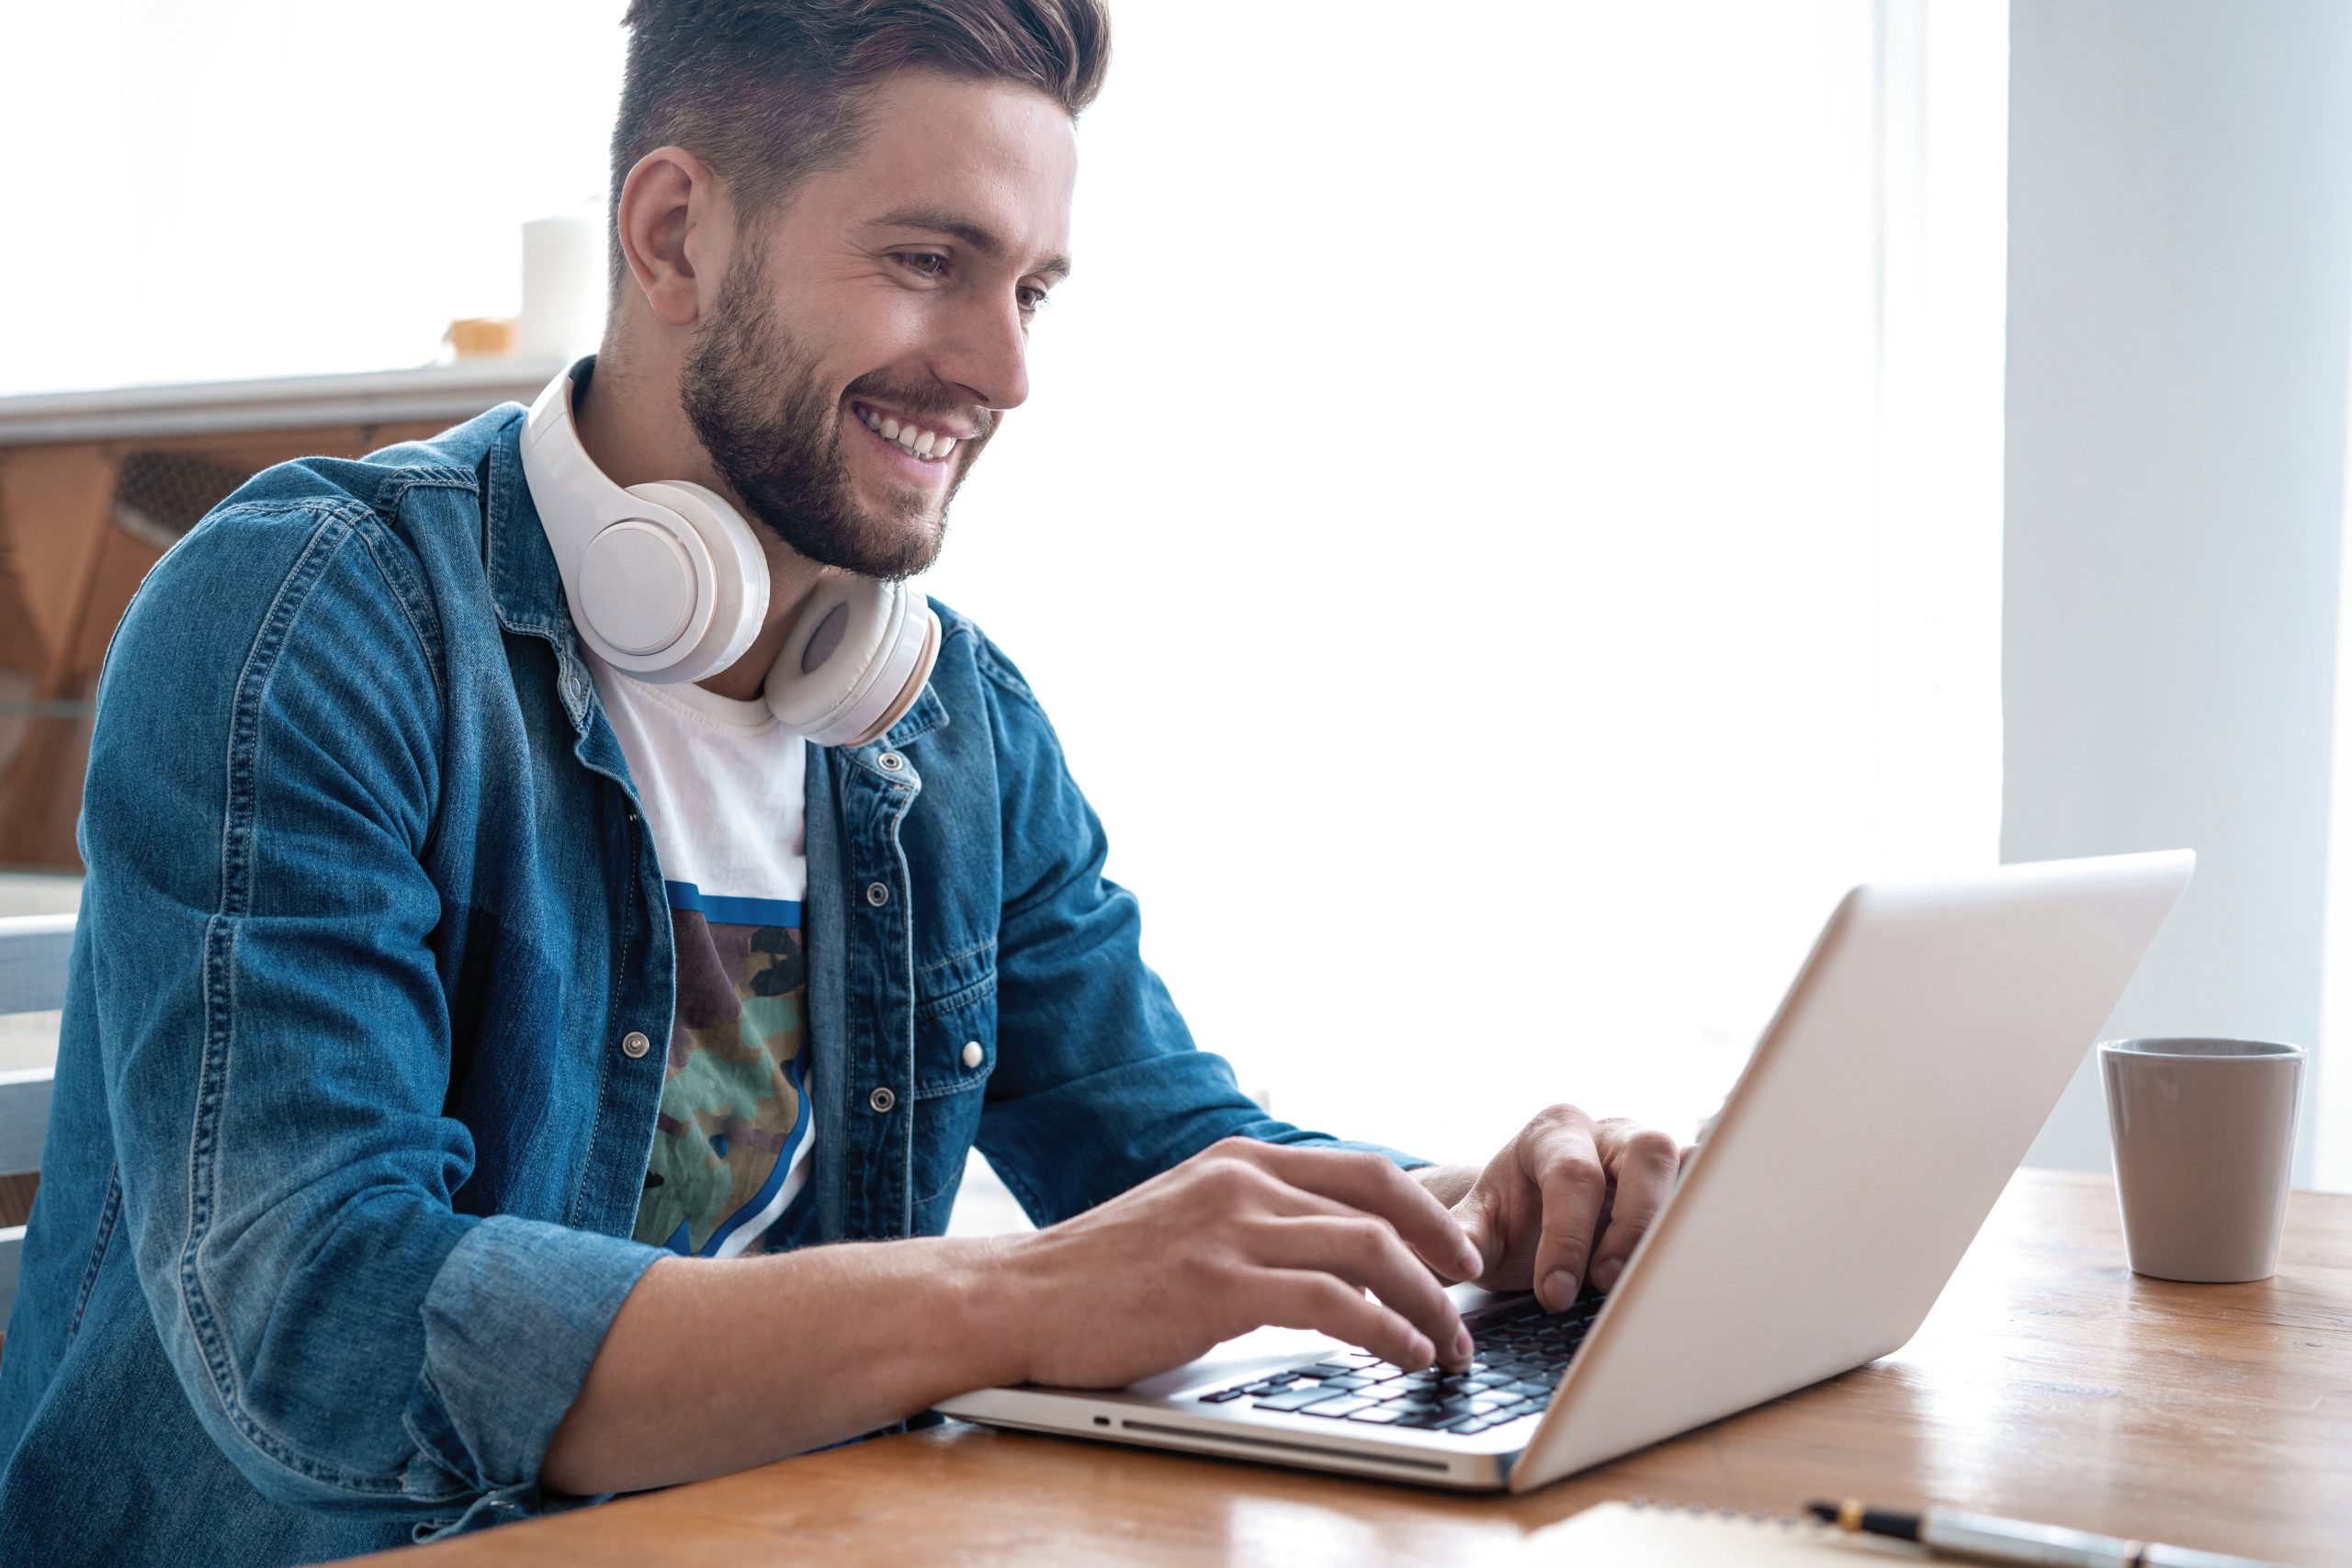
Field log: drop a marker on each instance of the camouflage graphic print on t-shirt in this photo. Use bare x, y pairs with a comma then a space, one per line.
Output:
734, 1121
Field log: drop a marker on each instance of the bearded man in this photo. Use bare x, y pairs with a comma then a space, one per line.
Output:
367, 1213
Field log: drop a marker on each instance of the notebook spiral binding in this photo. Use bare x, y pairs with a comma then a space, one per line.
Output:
1729, 1515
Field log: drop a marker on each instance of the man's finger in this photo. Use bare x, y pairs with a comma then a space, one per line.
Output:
1366, 1181
1305, 1297
1559, 1152
1365, 1253
1643, 1161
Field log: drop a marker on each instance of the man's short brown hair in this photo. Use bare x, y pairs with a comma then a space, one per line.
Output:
767, 92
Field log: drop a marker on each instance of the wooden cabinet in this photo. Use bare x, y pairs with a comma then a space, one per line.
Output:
95, 487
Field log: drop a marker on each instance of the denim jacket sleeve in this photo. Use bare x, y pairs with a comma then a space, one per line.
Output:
1098, 1085
275, 1038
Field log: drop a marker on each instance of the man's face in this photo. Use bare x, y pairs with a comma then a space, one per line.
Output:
883, 314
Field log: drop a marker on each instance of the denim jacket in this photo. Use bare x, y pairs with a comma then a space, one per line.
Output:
347, 1135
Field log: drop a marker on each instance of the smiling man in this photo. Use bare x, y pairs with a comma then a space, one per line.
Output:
369, 1209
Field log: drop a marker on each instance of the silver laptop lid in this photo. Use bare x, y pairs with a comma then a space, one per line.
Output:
1916, 1055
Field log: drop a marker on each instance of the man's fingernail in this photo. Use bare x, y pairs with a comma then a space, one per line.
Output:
1463, 1349
1559, 1290
1422, 1354
1473, 1264
1604, 1276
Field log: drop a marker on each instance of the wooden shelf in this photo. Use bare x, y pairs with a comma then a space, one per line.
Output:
71, 554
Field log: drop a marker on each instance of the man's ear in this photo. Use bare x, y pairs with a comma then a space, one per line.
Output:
673, 221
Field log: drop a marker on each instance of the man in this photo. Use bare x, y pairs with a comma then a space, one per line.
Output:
367, 1211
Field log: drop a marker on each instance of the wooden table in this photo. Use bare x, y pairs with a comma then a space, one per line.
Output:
2050, 1382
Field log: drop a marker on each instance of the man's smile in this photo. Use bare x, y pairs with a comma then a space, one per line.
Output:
924, 444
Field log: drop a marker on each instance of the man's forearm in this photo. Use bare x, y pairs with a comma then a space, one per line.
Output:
714, 1365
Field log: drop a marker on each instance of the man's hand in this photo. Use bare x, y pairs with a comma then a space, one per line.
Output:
1242, 1234
1565, 1202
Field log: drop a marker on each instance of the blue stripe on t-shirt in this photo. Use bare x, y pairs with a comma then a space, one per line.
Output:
725, 912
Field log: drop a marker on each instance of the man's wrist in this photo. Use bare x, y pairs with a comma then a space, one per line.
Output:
990, 1285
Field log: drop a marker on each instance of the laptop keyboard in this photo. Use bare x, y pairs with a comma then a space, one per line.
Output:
1523, 1351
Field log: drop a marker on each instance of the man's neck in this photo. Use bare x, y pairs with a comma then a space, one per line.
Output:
636, 429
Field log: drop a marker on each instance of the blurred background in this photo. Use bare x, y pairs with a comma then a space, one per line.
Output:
1513, 519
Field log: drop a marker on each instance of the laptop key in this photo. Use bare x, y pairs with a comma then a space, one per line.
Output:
1220, 1395
1337, 1408
1376, 1414
1292, 1399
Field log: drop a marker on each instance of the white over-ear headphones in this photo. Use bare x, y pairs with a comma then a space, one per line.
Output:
666, 581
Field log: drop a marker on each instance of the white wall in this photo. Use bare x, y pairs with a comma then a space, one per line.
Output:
277, 187
2180, 263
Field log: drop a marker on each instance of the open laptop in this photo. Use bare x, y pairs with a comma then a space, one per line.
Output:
1919, 1049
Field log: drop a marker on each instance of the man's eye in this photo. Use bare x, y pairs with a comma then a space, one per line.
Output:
1033, 299
931, 264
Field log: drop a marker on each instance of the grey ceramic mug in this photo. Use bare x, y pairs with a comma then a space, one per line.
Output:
2204, 1137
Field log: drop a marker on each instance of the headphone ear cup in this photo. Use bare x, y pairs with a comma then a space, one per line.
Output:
855, 660
636, 586
665, 581
737, 586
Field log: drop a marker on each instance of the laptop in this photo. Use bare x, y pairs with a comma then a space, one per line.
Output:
1918, 1051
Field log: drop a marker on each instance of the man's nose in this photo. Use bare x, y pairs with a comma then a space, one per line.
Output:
987, 355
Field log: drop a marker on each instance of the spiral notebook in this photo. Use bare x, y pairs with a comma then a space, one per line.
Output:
1649, 1535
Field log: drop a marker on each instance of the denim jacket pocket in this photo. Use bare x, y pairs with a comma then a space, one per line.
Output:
954, 1049
947, 1029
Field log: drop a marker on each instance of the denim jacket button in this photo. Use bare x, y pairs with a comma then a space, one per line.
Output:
634, 1044
882, 1098
890, 762
973, 1055
877, 894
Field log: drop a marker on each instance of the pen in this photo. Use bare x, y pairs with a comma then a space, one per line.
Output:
1990, 1539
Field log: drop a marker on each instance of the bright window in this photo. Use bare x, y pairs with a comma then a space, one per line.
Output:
1509, 526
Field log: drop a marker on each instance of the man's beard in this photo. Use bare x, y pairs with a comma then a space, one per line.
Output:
753, 398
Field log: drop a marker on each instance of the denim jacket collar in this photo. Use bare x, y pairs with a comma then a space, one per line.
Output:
526, 587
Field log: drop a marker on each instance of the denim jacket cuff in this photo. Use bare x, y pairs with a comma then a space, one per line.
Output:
1402, 1160
511, 1322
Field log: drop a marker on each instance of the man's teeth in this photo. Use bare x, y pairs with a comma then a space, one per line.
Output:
921, 443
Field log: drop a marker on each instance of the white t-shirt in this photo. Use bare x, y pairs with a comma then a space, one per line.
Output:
722, 785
